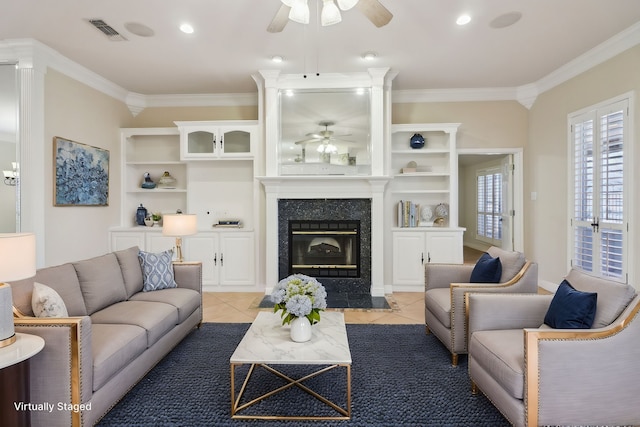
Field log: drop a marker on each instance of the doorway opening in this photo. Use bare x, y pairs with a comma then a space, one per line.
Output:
491, 198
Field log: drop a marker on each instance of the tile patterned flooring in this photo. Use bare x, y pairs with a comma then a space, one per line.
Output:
242, 307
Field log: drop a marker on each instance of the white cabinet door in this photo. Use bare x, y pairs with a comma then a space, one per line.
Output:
409, 257
237, 259
204, 248
235, 142
156, 242
444, 247
126, 239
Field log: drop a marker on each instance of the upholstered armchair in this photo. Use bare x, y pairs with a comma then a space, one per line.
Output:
537, 375
446, 284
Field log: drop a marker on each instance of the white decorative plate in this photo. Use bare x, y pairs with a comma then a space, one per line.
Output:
426, 213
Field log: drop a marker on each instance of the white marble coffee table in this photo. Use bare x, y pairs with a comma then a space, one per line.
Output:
267, 343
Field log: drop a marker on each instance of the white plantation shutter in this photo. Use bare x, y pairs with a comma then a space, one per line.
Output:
489, 206
611, 183
599, 221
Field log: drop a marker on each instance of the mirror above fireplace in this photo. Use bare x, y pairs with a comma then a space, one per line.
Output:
325, 131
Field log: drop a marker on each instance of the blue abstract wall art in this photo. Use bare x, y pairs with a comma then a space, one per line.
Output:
82, 174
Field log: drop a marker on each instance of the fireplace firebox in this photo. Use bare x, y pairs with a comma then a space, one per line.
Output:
325, 248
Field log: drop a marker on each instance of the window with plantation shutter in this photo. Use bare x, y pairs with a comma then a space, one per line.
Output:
489, 206
599, 225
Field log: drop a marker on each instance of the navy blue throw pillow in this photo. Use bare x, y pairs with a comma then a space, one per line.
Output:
487, 270
571, 309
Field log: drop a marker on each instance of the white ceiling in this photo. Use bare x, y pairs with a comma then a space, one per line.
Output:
422, 43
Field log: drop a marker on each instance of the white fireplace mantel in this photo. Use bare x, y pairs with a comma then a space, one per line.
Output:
326, 187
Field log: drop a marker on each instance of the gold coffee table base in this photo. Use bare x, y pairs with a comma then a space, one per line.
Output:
237, 406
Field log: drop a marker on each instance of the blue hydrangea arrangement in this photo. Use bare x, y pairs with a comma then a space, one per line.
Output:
299, 295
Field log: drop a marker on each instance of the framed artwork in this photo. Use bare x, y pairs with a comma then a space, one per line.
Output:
81, 174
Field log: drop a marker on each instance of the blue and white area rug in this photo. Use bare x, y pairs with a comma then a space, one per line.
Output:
400, 377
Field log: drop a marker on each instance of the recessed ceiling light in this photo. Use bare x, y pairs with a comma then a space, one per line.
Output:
369, 56
463, 19
277, 58
186, 28
505, 20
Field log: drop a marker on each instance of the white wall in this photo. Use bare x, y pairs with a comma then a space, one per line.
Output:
76, 112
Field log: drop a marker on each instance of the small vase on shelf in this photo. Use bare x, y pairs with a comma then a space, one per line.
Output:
417, 141
300, 329
167, 181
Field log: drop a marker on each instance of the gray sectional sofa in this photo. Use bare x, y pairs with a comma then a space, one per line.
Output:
114, 335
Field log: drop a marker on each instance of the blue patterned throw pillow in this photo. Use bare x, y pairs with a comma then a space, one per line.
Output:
157, 270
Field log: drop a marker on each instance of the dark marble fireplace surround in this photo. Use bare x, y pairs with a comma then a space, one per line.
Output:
341, 292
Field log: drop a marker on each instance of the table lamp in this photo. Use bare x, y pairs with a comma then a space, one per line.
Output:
179, 225
17, 261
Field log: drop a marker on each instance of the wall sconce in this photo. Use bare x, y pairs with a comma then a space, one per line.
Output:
11, 177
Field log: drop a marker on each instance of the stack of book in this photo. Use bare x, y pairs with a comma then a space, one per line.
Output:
408, 213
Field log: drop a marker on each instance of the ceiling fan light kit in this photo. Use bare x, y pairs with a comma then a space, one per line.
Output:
330, 13
299, 11
346, 4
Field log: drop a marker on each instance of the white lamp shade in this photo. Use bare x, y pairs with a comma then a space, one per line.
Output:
300, 12
346, 4
179, 225
17, 256
330, 13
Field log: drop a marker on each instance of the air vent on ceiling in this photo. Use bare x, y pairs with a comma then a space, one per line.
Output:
107, 30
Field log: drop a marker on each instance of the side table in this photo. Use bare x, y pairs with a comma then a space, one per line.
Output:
15, 378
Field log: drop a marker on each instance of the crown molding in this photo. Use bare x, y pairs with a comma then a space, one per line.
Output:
603, 52
31, 53
454, 95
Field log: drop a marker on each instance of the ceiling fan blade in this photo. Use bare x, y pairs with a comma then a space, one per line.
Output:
306, 141
280, 20
375, 11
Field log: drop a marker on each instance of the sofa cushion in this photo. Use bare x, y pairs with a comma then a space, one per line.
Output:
61, 278
512, 262
571, 309
156, 318
185, 300
438, 302
486, 270
501, 354
157, 270
46, 302
613, 297
100, 281
114, 347
131, 271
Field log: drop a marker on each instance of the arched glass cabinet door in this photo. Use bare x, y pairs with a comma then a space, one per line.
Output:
9, 162
201, 142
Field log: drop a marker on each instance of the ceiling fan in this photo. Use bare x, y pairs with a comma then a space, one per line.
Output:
298, 10
324, 136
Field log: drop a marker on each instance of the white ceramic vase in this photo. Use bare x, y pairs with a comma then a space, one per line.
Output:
300, 329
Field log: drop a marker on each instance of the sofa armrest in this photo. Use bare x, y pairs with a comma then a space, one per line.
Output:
63, 371
442, 275
188, 275
566, 366
488, 311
